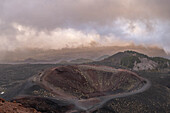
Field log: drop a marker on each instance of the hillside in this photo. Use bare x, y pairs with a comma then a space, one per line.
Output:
135, 61
102, 57
13, 107
80, 61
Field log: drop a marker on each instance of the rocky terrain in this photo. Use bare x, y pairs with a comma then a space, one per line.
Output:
45, 105
145, 64
85, 81
13, 107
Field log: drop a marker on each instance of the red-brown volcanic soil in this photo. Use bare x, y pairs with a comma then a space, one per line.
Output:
44, 105
12, 107
85, 81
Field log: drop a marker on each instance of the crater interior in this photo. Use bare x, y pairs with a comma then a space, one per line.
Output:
88, 81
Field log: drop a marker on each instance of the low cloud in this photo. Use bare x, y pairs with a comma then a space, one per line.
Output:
29, 38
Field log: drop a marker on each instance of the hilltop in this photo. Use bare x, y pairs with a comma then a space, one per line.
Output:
135, 61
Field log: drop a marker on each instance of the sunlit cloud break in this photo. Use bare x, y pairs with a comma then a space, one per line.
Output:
57, 24
58, 38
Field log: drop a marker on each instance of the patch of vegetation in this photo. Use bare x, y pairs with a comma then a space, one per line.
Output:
129, 61
163, 63
137, 54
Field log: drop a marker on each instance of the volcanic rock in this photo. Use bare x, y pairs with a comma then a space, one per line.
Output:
11, 107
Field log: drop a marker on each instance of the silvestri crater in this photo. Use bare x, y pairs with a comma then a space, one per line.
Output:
88, 87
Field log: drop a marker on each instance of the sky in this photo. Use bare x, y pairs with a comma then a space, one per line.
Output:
57, 24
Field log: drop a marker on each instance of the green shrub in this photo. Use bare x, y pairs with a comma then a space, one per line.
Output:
129, 61
161, 61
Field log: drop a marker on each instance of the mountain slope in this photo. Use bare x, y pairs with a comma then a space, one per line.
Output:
136, 61
81, 60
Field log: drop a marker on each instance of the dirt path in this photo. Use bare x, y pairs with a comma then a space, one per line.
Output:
105, 99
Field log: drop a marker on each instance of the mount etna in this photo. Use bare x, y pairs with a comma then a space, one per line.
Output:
125, 82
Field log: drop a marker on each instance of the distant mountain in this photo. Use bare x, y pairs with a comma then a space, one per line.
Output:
30, 60
102, 57
81, 60
135, 61
63, 62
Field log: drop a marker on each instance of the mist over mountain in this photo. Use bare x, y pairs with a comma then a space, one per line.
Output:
67, 54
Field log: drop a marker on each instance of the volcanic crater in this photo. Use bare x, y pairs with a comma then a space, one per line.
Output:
85, 87
88, 81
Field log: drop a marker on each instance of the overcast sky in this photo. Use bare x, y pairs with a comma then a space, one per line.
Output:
56, 24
